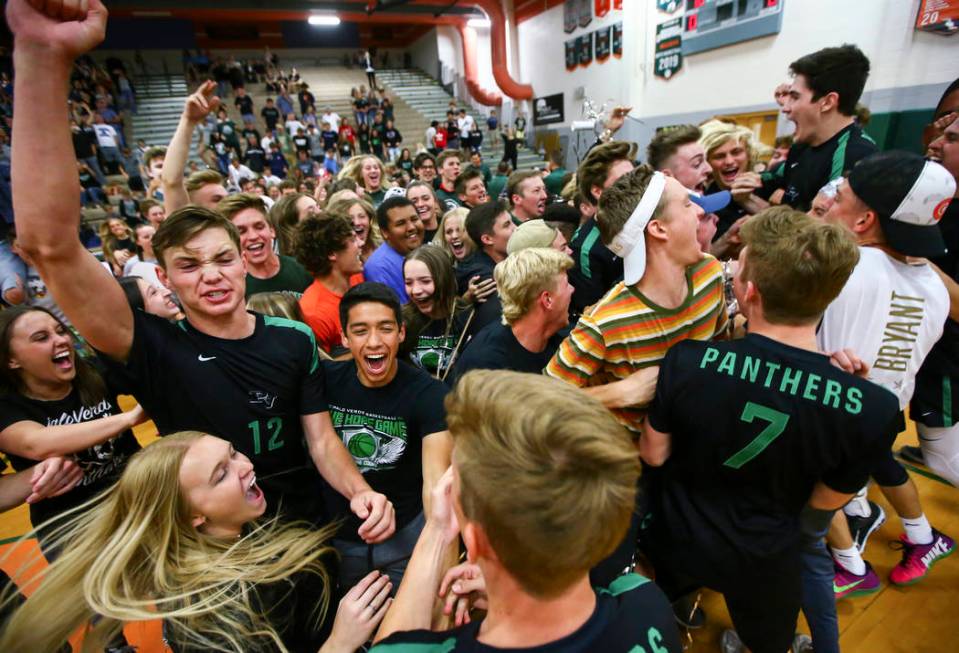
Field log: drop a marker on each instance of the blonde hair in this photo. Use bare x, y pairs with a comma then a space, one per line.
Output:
438, 238
198, 180
545, 470
523, 275
342, 205
133, 554
353, 169
109, 241
716, 133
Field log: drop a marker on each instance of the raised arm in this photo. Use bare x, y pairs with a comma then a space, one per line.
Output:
197, 107
46, 189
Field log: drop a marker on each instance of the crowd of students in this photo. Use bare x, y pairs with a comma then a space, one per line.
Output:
686, 368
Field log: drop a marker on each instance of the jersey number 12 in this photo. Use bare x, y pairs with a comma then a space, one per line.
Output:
275, 426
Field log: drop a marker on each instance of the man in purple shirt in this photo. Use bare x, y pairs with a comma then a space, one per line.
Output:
402, 231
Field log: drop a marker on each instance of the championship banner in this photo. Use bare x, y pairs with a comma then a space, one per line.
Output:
602, 7
618, 5
669, 48
667, 6
602, 44
548, 109
618, 40
585, 48
938, 16
572, 54
570, 15
585, 13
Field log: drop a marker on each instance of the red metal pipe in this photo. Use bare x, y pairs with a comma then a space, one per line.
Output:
480, 94
504, 80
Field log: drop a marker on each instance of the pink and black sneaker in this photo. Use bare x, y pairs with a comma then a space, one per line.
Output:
848, 584
918, 559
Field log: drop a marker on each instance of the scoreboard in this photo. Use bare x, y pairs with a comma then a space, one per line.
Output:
710, 24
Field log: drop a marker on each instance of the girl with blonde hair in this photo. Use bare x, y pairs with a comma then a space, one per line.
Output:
368, 172
177, 539
363, 216
118, 244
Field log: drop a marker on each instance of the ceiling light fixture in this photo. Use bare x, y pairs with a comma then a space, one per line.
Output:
323, 20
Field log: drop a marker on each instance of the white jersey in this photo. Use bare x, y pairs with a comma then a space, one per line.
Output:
890, 314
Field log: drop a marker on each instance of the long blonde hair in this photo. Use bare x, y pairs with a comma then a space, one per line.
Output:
353, 169
133, 554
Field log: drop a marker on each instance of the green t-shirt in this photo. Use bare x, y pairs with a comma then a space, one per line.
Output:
496, 186
292, 278
554, 181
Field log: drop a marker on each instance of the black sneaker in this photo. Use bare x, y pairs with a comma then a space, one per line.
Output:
862, 527
912, 455
688, 613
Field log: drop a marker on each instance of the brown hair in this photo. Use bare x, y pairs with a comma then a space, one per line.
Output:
546, 471
595, 167
284, 216
515, 181
184, 224
198, 180
667, 141
619, 201
466, 177
798, 264
318, 237
230, 205
440, 264
448, 154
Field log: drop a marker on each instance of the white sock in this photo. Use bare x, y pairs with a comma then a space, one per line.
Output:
858, 506
918, 530
850, 559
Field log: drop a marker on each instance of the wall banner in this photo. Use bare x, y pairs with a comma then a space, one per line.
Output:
618, 40
669, 48
572, 54
602, 7
603, 48
585, 48
668, 6
570, 15
585, 13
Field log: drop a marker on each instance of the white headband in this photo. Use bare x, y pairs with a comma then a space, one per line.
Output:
631, 234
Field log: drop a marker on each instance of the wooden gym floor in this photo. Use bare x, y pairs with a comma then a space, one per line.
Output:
917, 619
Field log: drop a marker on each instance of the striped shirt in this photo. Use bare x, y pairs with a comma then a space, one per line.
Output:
625, 332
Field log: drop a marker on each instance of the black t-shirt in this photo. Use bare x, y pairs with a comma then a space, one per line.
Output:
329, 139
936, 392
479, 264
383, 429
434, 347
301, 143
632, 615
754, 425
250, 391
595, 268
496, 348
807, 169
391, 137
452, 130
244, 104
728, 214
102, 464
290, 607
83, 143
271, 115
255, 158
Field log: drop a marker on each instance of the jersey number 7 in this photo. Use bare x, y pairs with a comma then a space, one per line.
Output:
777, 424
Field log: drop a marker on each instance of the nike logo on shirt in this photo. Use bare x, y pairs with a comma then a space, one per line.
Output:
204, 359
